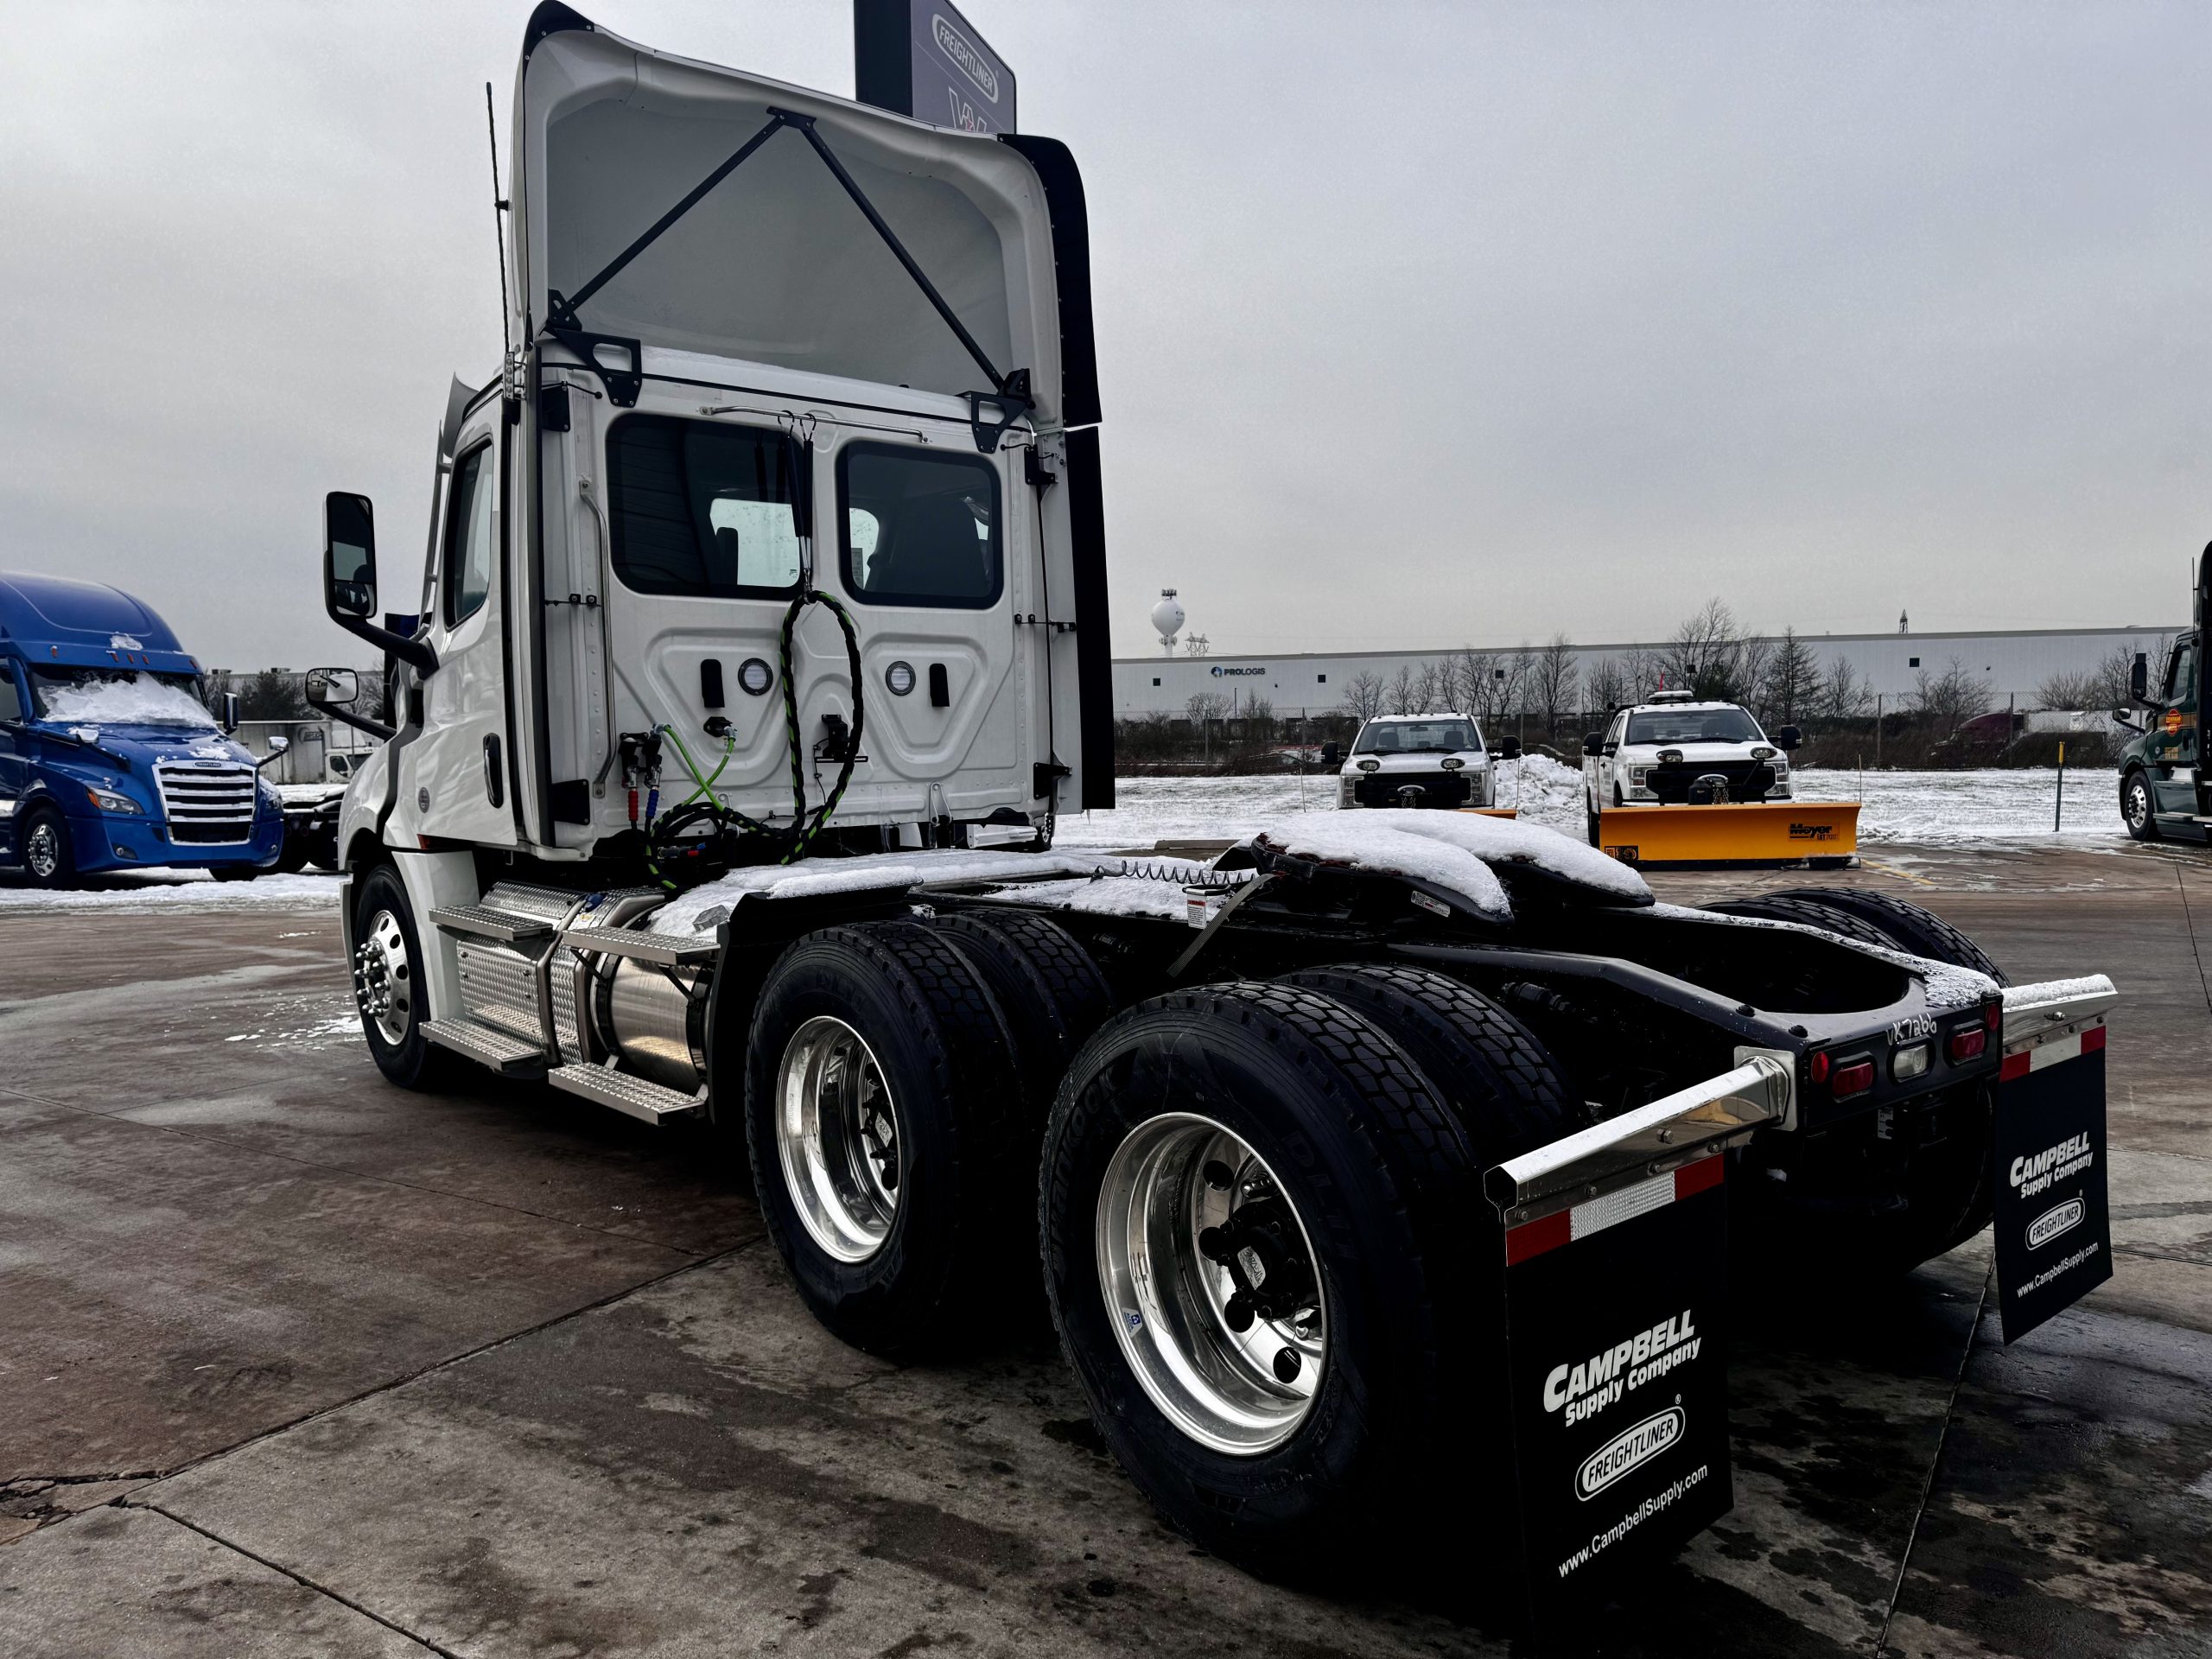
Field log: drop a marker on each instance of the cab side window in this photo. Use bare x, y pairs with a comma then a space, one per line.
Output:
11, 702
468, 534
2181, 673
1613, 733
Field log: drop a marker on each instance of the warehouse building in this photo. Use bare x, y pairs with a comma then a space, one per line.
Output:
2012, 663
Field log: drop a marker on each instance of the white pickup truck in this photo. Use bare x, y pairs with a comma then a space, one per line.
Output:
1675, 750
1441, 759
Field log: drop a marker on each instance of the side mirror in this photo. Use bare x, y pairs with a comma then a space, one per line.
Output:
1788, 737
1593, 742
1509, 748
279, 743
1332, 754
349, 555
2138, 678
332, 688
230, 716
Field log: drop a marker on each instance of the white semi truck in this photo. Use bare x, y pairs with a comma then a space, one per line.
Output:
766, 585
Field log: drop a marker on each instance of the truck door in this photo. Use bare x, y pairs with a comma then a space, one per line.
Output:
2173, 744
13, 761
458, 771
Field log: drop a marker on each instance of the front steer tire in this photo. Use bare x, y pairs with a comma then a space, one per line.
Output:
2139, 809
389, 989
1384, 1182
929, 1253
44, 845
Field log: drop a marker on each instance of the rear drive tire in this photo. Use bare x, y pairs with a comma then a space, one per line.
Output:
1272, 1117
1482, 1062
1805, 913
293, 856
2137, 809
49, 860
1906, 926
235, 872
1048, 990
891, 1152
389, 989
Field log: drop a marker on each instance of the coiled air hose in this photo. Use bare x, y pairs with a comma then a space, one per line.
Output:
678, 857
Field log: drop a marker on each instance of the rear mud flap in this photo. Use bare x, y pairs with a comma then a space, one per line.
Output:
1765, 832
2051, 1213
1616, 1244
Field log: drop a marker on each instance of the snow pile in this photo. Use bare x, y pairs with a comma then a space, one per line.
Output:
176, 890
1454, 850
1101, 895
706, 906
1545, 791
140, 700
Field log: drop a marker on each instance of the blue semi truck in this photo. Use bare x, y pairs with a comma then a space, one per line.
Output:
110, 760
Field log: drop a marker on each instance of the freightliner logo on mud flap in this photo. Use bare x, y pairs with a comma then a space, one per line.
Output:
1584, 1390
1626, 1450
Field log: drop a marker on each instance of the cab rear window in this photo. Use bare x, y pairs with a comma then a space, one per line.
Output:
703, 508
918, 527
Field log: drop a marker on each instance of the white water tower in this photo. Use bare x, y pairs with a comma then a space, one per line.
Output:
1167, 619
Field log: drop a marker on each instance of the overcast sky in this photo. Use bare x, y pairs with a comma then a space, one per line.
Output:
1418, 325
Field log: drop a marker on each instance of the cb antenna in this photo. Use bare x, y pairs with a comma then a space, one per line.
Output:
498, 225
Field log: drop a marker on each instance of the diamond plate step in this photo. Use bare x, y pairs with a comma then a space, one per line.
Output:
508, 1055
664, 948
635, 1098
486, 923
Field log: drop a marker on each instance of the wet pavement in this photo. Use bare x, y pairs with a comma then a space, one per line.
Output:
292, 1362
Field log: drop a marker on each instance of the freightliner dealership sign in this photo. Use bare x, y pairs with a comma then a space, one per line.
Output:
922, 58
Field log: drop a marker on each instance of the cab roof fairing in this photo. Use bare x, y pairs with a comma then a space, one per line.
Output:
775, 264
61, 620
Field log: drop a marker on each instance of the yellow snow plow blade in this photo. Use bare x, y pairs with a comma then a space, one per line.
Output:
1763, 832
1493, 811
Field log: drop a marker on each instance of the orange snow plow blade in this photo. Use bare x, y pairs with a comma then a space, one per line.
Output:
1763, 832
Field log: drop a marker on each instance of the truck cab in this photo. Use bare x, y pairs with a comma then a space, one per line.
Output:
2160, 782
1674, 749
1420, 761
108, 758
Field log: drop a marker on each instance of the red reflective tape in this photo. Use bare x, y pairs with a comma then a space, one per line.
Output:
2015, 1065
2092, 1040
1534, 1237
1695, 1178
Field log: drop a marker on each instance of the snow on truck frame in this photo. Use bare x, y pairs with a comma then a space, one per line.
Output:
766, 585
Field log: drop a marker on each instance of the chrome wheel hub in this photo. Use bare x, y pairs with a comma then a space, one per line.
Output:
43, 851
1211, 1284
837, 1137
384, 982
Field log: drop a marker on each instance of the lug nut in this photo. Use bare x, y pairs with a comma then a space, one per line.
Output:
1288, 1364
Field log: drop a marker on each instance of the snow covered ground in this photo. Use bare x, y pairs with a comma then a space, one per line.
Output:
1925, 808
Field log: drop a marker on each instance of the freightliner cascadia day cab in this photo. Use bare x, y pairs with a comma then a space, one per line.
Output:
763, 645
109, 759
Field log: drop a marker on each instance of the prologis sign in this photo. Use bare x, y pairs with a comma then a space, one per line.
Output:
922, 58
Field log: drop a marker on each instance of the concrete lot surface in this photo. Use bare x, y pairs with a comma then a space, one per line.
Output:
292, 1362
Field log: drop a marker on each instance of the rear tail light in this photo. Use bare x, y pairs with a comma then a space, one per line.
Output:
1969, 1043
1855, 1078
1817, 1068
1992, 1015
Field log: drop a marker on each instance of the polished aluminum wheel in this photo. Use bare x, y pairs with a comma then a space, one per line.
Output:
383, 980
43, 850
837, 1136
1211, 1283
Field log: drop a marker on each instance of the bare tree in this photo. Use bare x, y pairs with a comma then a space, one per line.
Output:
1843, 692
1555, 680
1404, 693
1704, 654
1429, 693
1643, 674
1260, 719
1950, 699
1791, 682
1607, 686
1203, 706
1364, 695
2104, 686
